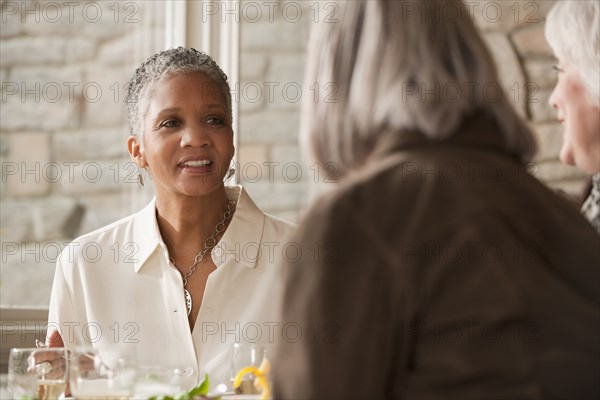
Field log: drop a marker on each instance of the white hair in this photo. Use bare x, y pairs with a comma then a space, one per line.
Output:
573, 32
384, 61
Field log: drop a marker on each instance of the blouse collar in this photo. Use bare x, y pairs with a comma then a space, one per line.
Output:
241, 241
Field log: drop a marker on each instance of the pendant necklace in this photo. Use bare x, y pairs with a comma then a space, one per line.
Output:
206, 247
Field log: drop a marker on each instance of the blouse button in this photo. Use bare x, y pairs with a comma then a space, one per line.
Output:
217, 254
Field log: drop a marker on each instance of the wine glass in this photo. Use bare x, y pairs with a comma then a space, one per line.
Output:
251, 369
106, 373
38, 373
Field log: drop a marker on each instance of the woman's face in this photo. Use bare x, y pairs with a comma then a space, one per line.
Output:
187, 140
581, 120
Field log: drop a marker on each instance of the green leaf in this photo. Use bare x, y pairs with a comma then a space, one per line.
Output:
201, 389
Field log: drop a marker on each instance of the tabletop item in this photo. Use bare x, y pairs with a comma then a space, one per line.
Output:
102, 373
37, 373
156, 381
251, 369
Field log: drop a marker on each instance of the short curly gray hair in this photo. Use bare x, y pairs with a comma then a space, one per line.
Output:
169, 62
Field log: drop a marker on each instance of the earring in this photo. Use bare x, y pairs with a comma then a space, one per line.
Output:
229, 174
140, 179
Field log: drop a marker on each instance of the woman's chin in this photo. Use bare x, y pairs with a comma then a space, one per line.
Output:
566, 156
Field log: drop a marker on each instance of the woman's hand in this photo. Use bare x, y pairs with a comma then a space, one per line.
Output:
54, 340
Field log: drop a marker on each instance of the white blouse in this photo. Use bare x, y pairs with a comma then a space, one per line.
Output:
116, 286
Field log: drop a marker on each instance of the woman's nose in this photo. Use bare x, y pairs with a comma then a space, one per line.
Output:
194, 136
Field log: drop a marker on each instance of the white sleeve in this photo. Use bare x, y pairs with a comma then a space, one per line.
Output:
62, 315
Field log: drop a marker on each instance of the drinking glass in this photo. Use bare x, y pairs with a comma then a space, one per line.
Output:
38, 373
102, 373
157, 381
247, 360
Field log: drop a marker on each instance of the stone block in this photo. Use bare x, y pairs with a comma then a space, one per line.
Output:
103, 209
121, 50
104, 106
549, 138
80, 49
99, 20
55, 217
38, 98
540, 109
95, 176
286, 153
276, 35
43, 219
506, 15
530, 42
3, 75
26, 165
253, 66
109, 143
25, 113
15, 220
279, 196
251, 96
269, 126
53, 18
4, 145
11, 20
287, 71
28, 273
541, 73
509, 69
115, 21
33, 51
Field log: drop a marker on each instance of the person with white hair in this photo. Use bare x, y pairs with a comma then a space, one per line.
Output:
438, 267
573, 32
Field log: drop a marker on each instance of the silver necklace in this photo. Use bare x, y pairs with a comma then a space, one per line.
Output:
206, 247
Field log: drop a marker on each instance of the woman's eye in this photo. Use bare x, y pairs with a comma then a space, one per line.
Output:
171, 123
215, 121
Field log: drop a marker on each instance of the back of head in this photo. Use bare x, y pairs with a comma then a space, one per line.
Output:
573, 31
400, 65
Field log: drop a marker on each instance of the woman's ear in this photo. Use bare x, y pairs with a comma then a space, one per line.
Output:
135, 151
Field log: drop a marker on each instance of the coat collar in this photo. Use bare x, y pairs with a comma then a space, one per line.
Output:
241, 241
477, 131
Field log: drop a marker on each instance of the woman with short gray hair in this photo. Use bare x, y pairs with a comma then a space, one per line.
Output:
179, 282
444, 269
573, 31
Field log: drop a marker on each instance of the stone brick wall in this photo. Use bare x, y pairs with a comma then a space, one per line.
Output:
63, 129
82, 137
274, 38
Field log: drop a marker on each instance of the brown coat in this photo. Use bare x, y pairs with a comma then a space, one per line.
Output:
444, 270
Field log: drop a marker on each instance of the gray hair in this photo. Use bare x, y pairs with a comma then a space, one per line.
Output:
573, 32
169, 62
375, 55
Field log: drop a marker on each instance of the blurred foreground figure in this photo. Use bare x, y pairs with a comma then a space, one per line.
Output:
438, 267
